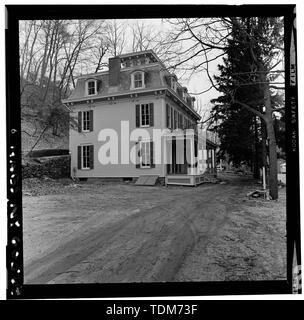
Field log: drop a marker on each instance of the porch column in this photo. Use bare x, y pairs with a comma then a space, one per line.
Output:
192, 155
213, 159
168, 154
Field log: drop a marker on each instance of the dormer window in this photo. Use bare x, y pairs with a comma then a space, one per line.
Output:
185, 93
137, 80
173, 83
192, 102
91, 87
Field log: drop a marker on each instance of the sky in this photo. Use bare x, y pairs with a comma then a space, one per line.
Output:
199, 81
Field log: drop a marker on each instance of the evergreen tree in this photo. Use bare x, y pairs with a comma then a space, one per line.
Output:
247, 81
237, 128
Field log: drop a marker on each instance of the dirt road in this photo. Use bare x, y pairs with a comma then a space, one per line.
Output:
126, 233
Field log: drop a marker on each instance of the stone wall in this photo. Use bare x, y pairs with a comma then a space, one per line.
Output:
52, 167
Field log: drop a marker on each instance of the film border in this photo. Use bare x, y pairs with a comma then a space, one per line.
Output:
15, 280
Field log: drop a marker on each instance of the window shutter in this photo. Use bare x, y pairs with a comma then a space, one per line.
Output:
168, 115
91, 155
146, 78
152, 165
137, 115
91, 120
98, 85
151, 114
137, 155
185, 150
172, 118
79, 157
79, 121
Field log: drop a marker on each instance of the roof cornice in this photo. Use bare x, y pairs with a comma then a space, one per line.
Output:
170, 93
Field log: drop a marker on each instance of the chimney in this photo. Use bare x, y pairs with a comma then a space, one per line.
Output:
114, 71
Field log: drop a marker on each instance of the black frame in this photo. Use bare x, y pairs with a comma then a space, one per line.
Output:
16, 288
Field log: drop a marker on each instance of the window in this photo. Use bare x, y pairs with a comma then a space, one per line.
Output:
183, 123
172, 118
145, 155
144, 115
137, 80
169, 116
85, 157
86, 121
173, 83
180, 119
175, 120
91, 87
187, 124
184, 94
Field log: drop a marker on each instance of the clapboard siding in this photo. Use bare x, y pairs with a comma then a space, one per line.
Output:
109, 116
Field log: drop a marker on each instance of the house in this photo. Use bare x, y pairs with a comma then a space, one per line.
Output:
136, 120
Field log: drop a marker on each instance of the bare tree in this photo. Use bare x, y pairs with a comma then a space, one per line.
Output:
145, 36
206, 40
116, 36
51, 52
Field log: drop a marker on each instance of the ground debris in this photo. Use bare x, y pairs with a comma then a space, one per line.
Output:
251, 245
46, 186
257, 194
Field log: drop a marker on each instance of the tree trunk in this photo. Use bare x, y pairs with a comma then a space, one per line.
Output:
264, 150
273, 170
272, 145
256, 172
39, 138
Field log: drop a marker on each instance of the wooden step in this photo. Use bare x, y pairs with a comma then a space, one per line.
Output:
146, 180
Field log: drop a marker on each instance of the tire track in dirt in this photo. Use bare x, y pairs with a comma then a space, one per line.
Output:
148, 246
75, 250
152, 249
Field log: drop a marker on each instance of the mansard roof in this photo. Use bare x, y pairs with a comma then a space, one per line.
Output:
156, 78
152, 81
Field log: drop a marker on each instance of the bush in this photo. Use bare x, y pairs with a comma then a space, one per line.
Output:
48, 153
53, 168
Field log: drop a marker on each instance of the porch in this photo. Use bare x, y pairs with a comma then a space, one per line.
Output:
190, 158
